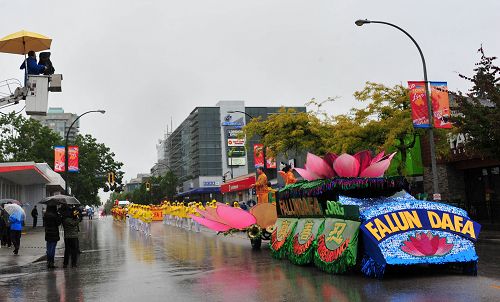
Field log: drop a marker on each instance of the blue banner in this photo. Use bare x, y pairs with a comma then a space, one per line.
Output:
384, 226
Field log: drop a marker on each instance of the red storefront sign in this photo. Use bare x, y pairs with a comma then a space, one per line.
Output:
238, 185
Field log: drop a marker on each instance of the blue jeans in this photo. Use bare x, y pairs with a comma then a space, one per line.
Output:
51, 251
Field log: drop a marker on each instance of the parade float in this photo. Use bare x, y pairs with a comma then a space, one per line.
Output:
346, 216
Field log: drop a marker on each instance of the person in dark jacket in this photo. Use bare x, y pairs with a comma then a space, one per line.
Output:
16, 220
5, 228
52, 221
33, 67
34, 214
70, 223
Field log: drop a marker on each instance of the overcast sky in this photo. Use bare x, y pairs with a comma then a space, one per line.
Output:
147, 61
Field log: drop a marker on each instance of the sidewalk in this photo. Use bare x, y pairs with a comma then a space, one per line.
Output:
32, 249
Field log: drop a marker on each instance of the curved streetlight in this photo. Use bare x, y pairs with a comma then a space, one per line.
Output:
435, 185
155, 168
237, 111
66, 147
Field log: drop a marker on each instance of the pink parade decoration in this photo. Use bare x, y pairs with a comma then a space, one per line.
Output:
211, 213
378, 157
213, 225
318, 166
364, 158
360, 164
306, 174
426, 244
377, 169
236, 217
330, 158
346, 166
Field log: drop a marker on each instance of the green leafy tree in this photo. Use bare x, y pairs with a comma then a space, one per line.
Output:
289, 130
24, 139
95, 159
480, 108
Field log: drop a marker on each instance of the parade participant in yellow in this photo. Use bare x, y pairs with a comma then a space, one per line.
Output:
261, 188
236, 204
136, 216
130, 215
183, 216
140, 217
287, 175
148, 218
196, 225
164, 211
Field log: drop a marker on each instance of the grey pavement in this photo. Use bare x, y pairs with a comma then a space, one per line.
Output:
32, 249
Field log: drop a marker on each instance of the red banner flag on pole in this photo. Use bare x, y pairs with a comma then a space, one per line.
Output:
73, 158
59, 159
270, 160
418, 102
258, 155
440, 105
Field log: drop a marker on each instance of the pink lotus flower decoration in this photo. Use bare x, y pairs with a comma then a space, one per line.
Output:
361, 164
224, 218
426, 244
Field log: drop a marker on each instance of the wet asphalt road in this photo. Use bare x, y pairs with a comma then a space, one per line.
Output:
178, 265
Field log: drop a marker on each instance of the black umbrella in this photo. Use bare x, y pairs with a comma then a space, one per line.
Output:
60, 199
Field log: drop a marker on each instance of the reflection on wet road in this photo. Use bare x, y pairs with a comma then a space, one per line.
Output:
177, 265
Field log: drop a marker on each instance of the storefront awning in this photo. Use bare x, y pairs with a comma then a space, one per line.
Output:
206, 190
238, 184
25, 173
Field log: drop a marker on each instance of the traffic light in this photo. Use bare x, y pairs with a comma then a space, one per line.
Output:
148, 187
223, 178
111, 178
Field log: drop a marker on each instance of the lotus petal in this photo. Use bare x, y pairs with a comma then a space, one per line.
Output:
265, 214
377, 158
378, 169
211, 213
443, 247
318, 166
213, 225
364, 158
330, 158
346, 166
236, 217
426, 244
409, 248
306, 174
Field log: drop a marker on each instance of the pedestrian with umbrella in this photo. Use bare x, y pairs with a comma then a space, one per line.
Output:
4, 227
70, 222
16, 219
52, 221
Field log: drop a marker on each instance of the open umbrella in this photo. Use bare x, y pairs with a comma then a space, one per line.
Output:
14, 209
60, 199
8, 200
23, 41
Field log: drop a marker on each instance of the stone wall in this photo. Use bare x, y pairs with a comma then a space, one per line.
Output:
450, 181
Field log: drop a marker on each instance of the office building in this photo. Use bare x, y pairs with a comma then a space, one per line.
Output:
59, 121
207, 146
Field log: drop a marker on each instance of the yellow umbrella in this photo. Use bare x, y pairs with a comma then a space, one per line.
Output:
23, 41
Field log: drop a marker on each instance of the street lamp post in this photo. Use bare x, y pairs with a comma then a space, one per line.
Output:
435, 185
161, 164
66, 147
